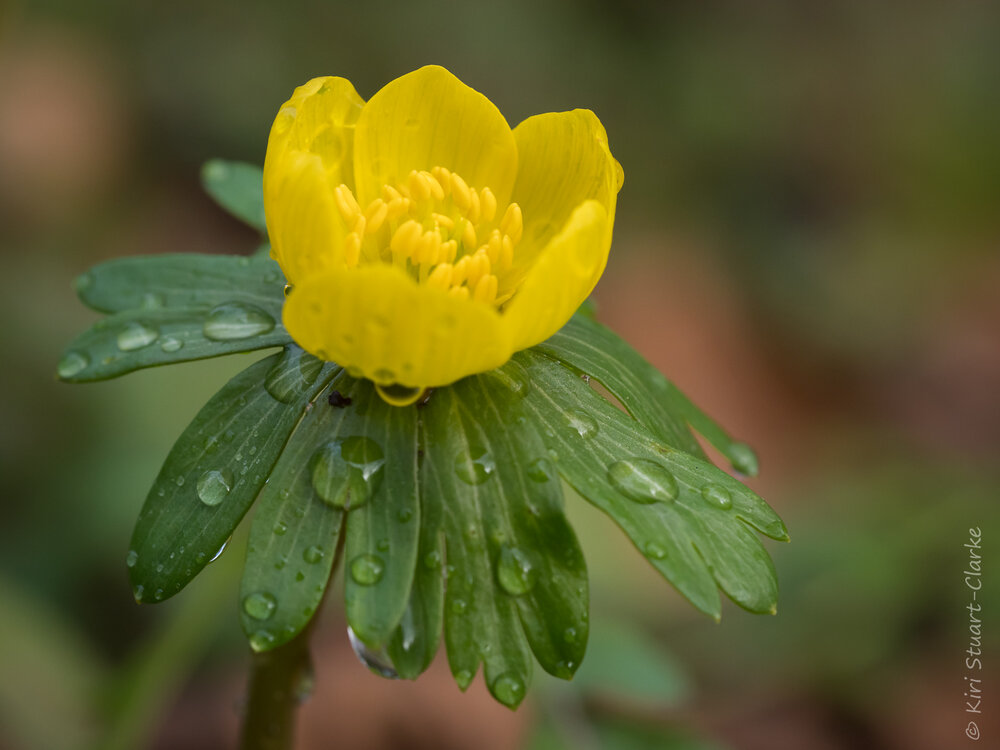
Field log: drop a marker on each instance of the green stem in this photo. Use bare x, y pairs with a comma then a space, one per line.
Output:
280, 680
274, 694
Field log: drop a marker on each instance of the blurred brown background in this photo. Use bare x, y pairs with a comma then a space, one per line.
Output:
807, 243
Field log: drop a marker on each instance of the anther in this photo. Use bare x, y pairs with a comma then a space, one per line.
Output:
435, 187
512, 223
440, 277
376, 215
419, 189
352, 250
506, 254
460, 193
462, 292
488, 201
474, 207
448, 252
469, 235
494, 246
404, 240
443, 221
346, 204
486, 289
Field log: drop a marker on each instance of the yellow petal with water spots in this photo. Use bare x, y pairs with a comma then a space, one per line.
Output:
378, 321
561, 277
426, 119
564, 160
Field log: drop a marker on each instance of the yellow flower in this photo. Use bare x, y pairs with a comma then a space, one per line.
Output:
422, 238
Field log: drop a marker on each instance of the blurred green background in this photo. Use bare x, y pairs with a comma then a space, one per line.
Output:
807, 243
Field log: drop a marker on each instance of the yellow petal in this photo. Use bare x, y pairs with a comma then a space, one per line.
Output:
564, 160
309, 153
379, 322
319, 118
426, 119
561, 277
306, 230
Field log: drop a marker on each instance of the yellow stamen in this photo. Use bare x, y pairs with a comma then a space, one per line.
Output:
376, 215
488, 201
486, 289
346, 204
439, 246
440, 277
512, 223
469, 235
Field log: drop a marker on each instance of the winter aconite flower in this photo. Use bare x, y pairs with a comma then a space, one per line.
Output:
423, 239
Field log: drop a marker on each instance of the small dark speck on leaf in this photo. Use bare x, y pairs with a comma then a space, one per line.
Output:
339, 400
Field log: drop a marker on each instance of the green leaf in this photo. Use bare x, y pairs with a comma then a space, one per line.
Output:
135, 339
510, 551
238, 188
181, 280
294, 536
657, 403
416, 640
383, 525
175, 308
685, 515
216, 468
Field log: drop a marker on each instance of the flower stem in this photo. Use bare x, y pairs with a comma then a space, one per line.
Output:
273, 694
280, 681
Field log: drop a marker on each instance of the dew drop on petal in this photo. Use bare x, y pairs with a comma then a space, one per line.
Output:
367, 569
717, 496
136, 335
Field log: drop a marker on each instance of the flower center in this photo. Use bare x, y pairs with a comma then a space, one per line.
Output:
443, 232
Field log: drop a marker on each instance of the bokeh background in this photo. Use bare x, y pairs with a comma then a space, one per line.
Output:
807, 243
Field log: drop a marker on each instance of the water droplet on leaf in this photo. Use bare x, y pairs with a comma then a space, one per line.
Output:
583, 423
131, 558
515, 572
717, 496
171, 344
136, 335
474, 465
260, 605
375, 661
346, 473
367, 569
214, 485
508, 689
643, 481
236, 320
72, 364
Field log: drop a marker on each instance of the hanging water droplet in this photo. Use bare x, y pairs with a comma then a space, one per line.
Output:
131, 558
262, 640
73, 363
508, 689
474, 465
288, 289
584, 424
643, 481
540, 470
717, 496
367, 569
221, 550
236, 320
305, 682
376, 661
743, 459
399, 395
136, 335
463, 678
214, 485
138, 592
654, 550
313, 554
260, 605
346, 473
171, 344
515, 573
